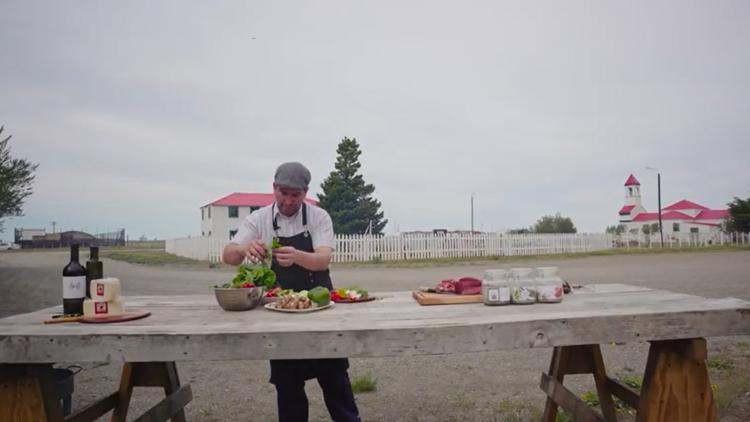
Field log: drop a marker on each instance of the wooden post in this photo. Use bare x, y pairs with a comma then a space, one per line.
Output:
152, 374
675, 384
27, 393
585, 359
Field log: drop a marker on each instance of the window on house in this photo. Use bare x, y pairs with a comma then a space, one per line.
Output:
203, 234
203, 216
675, 227
209, 213
233, 211
253, 209
209, 233
694, 230
232, 233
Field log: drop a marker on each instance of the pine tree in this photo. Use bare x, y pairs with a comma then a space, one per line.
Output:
346, 196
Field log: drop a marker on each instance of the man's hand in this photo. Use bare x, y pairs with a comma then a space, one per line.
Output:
286, 256
255, 251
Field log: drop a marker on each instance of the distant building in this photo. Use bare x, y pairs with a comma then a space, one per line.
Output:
39, 238
21, 235
222, 217
681, 217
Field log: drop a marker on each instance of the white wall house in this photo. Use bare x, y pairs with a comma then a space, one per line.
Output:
681, 217
221, 218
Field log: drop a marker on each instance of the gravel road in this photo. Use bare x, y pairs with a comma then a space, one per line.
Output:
495, 386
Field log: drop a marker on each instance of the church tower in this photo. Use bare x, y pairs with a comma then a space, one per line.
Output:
632, 191
633, 204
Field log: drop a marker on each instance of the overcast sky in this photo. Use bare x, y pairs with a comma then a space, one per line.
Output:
140, 112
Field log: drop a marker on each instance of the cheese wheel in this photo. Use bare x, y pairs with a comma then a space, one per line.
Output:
105, 289
95, 308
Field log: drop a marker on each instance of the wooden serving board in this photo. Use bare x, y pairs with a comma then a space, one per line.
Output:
425, 298
127, 316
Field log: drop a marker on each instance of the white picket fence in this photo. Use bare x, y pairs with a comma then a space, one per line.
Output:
361, 248
355, 248
677, 240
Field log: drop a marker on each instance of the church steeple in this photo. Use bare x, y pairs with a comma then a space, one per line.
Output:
632, 191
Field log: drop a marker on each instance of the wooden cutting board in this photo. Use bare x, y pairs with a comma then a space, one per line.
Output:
425, 298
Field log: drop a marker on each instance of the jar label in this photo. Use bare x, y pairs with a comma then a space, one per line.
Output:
493, 295
550, 293
503, 294
523, 295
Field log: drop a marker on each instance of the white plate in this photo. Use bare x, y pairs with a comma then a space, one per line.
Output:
272, 307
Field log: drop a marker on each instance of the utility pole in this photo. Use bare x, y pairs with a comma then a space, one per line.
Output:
54, 223
472, 213
658, 195
658, 188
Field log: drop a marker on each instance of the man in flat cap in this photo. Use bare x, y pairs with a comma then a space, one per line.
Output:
301, 263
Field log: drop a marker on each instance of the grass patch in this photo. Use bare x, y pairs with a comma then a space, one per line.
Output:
717, 362
725, 393
432, 262
633, 381
517, 411
145, 244
364, 383
147, 257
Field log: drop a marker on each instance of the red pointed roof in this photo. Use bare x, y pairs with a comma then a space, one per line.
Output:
685, 205
626, 209
245, 199
632, 181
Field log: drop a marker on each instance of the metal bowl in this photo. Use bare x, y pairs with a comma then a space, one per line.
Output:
239, 299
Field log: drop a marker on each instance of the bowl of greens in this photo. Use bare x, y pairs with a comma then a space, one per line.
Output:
245, 290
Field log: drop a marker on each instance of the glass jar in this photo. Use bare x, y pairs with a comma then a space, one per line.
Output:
549, 285
523, 290
495, 287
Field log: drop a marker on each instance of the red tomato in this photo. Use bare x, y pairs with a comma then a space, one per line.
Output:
247, 284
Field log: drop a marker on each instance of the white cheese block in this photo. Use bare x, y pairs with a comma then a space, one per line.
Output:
105, 289
95, 308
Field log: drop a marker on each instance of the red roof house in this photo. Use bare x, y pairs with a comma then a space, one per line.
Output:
683, 215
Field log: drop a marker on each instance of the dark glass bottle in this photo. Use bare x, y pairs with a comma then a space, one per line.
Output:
94, 269
74, 284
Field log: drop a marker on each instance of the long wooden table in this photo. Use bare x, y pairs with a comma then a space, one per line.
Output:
182, 328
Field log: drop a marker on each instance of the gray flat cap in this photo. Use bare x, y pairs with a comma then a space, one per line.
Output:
293, 175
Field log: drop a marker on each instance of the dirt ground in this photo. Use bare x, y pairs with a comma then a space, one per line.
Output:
497, 386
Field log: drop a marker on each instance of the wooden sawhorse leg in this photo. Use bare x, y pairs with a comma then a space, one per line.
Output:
675, 383
676, 387
153, 374
569, 360
28, 394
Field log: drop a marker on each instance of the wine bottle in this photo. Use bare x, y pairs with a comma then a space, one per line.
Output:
74, 284
94, 269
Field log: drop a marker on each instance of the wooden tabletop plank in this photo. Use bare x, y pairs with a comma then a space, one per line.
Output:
195, 328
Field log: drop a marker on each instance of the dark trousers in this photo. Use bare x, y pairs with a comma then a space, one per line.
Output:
337, 393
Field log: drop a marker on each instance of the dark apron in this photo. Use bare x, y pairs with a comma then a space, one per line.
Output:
299, 278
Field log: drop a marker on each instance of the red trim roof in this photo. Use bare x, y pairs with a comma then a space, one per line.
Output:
626, 209
244, 199
632, 181
712, 215
670, 215
684, 205
676, 215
